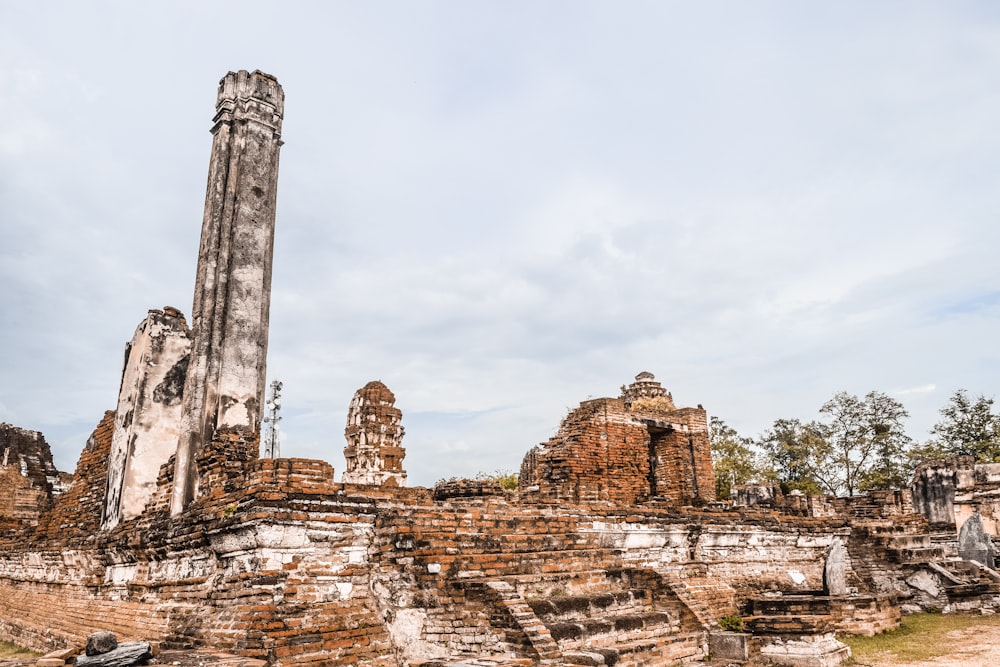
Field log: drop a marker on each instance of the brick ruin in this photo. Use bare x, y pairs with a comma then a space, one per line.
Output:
374, 451
614, 549
637, 447
28, 477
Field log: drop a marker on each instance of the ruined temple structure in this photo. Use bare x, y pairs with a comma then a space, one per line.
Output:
614, 550
638, 446
28, 478
374, 451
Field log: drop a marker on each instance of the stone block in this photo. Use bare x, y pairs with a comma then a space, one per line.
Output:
125, 655
819, 651
101, 642
729, 645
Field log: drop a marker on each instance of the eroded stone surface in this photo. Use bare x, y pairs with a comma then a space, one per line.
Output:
224, 387
29, 479
123, 655
100, 642
374, 451
821, 651
973, 543
835, 571
147, 420
635, 447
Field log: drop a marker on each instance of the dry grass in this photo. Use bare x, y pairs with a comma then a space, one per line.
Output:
919, 637
12, 651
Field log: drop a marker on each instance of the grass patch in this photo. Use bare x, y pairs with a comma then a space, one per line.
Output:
8, 650
918, 637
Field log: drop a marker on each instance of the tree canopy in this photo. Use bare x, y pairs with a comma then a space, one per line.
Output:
968, 427
868, 442
733, 456
857, 444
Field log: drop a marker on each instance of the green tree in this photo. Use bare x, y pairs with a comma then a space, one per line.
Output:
733, 458
799, 456
885, 429
868, 442
968, 428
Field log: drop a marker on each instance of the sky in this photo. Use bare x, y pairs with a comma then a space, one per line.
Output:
501, 209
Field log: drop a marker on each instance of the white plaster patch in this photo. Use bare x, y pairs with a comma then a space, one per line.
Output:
806, 541
119, 575
797, 577
180, 568
434, 568
344, 589
714, 540
406, 629
284, 536
69, 559
644, 538
817, 651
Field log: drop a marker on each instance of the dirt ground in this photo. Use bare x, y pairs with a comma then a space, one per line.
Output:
974, 646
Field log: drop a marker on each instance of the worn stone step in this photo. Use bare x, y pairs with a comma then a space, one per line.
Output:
592, 657
972, 589
679, 647
805, 624
617, 625
582, 606
915, 555
785, 605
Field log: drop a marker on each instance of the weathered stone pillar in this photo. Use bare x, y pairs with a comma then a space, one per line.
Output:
225, 380
148, 416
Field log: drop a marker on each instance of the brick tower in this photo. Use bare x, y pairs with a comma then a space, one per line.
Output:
224, 387
374, 451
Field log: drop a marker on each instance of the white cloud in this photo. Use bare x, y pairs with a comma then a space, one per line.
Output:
499, 212
911, 391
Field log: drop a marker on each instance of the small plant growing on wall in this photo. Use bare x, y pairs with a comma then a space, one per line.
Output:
505, 478
732, 623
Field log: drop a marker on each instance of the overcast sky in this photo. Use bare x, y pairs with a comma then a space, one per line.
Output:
501, 209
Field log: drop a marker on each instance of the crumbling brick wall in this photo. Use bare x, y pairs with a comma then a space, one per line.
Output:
625, 450
76, 514
599, 454
20, 502
278, 561
273, 566
28, 477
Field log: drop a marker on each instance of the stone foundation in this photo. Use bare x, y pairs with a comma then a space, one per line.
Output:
276, 560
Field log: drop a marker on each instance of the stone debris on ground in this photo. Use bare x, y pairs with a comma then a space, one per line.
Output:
102, 649
123, 655
100, 643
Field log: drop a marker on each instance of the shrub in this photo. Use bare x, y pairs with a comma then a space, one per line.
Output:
731, 623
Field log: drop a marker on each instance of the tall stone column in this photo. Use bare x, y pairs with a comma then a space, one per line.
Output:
224, 386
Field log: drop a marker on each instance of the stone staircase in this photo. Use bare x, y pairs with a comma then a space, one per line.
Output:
523, 631
902, 542
906, 549
966, 578
618, 616
708, 597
